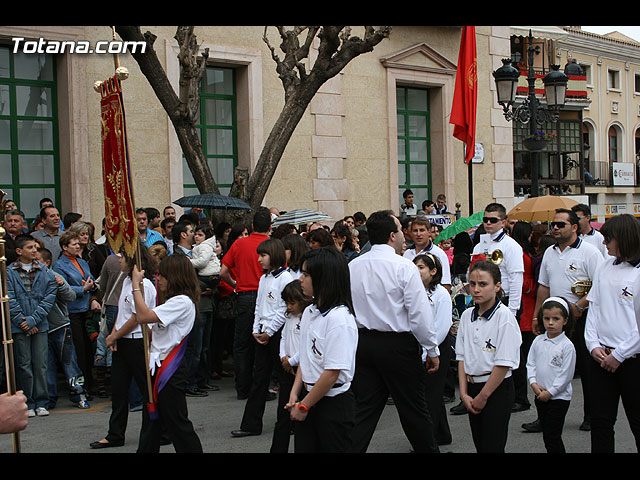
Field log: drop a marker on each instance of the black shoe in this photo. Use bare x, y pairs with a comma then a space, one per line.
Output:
459, 409
271, 396
520, 407
533, 427
192, 392
97, 445
208, 388
586, 426
243, 433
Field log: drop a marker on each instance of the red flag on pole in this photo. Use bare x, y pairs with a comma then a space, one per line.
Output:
120, 220
463, 110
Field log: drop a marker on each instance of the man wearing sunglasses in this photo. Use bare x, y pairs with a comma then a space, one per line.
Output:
512, 265
570, 260
586, 232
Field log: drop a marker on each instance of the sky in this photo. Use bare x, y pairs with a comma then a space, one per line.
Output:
629, 31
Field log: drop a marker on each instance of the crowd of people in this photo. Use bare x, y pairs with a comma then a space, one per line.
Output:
341, 319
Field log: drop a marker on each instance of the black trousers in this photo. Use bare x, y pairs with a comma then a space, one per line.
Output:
552, 415
284, 424
490, 427
243, 349
583, 363
266, 364
127, 362
328, 426
434, 390
173, 418
608, 389
520, 381
391, 363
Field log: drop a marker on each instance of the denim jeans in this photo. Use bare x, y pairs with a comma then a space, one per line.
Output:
31, 367
62, 357
194, 350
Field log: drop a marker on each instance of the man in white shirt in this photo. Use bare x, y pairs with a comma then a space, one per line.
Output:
512, 265
420, 232
394, 319
569, 261
586, 232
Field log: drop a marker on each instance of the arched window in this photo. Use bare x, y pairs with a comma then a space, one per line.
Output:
613, 145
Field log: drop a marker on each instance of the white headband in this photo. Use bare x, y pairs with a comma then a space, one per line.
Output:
561, 301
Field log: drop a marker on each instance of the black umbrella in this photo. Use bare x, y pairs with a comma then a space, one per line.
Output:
213, 201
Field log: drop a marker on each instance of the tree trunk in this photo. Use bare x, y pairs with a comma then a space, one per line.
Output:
177, 111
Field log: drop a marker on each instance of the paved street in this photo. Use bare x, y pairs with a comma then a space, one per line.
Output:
70, 430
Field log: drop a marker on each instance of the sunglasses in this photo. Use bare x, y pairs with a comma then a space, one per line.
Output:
558, 224
607, 239
491, 219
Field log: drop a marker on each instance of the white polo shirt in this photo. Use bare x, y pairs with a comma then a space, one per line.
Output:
328, 341
176, 318
388, 296
437, 252
559, 270
484, 342
595, 238
126, 307
611, 321
511, 267
270, 309
440, 302
551, 364
290, 339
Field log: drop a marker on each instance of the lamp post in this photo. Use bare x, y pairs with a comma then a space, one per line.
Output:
555, 84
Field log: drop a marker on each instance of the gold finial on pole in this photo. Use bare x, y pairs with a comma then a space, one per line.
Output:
121, 72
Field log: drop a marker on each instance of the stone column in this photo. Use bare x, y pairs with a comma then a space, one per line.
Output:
329, 148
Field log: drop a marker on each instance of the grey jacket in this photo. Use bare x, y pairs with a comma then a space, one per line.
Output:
59, 314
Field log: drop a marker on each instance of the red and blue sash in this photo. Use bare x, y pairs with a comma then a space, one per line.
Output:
164, 373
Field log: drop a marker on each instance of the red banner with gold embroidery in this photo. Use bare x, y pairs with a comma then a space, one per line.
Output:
120, 220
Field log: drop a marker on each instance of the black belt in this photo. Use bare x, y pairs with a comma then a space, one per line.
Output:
335, 385
247, 292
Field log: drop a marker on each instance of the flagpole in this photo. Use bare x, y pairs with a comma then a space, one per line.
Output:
470, 180
122, 74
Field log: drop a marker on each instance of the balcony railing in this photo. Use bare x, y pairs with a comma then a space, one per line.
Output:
603, 174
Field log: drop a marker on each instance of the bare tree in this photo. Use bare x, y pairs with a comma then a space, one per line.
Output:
336, 49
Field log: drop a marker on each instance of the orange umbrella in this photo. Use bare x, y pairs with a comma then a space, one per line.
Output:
540, 209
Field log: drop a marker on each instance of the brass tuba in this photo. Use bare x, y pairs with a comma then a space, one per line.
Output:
581, 287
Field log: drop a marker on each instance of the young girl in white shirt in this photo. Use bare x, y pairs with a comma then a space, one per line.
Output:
296, 302
267, 326
550, 367
440, 301
172, 322
325, 415
487, 350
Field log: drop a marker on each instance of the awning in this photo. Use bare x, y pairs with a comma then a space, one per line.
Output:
548, 33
